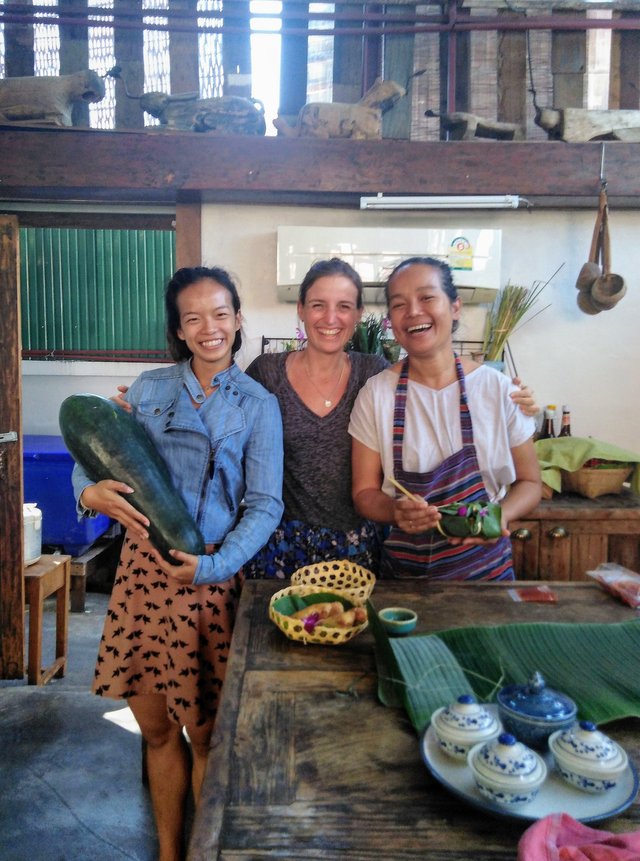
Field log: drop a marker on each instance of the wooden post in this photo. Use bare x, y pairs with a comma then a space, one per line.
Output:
74, 56
347, 64
183, 55
18, 47
568, 67
11, 484
293, 69
627, 70
129, 48
398, 66
188, 234
236, 52
512, 76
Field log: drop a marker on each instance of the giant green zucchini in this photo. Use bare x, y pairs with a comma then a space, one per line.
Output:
108, 442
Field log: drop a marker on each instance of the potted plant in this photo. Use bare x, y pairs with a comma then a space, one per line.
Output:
370, 337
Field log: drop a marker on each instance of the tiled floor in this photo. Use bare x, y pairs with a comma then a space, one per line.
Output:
70, 777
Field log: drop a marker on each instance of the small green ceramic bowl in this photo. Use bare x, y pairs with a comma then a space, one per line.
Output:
398, 621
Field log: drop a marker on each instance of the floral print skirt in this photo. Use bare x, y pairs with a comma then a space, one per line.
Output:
161, 637
295, 544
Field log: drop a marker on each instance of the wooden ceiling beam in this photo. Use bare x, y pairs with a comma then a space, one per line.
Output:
67, 164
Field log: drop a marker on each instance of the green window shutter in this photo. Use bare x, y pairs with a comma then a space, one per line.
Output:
94, 294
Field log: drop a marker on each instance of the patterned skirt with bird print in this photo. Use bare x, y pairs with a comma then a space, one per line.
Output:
162, 637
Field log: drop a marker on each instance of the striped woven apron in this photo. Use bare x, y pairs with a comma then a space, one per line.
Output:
456, 479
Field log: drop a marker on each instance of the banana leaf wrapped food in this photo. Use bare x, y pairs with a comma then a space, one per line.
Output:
480, 519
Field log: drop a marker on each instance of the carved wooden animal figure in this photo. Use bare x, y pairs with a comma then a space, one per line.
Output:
221, 115
576, 125
465, 127
47, 100
360, 121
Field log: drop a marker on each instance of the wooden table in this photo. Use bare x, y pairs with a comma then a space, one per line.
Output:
306, 762
50, 575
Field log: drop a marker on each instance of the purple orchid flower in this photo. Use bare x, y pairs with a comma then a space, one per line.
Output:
310, 621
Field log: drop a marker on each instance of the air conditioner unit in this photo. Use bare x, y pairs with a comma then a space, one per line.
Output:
474, 256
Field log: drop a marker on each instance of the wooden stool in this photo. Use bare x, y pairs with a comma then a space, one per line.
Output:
50, 575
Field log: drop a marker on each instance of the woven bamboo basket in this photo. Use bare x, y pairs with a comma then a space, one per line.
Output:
337, 576
287, 600
595, 482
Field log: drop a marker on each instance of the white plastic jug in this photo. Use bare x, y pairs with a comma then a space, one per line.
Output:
32, 532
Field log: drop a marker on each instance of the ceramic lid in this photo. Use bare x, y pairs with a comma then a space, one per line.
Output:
465, 720
584, 748
506, 761
536, 700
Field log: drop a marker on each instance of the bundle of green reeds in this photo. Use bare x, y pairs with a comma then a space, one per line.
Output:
509, 308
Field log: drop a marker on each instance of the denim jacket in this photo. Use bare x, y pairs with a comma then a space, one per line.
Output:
227, 452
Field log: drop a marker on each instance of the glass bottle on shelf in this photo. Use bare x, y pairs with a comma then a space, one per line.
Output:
548, 429
565, 427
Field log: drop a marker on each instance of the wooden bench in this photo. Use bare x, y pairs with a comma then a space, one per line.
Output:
50, 575
100, 555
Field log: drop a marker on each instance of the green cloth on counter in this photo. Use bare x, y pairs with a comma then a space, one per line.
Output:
572, 452
595, 664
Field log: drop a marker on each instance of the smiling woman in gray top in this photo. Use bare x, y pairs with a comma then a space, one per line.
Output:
316, 388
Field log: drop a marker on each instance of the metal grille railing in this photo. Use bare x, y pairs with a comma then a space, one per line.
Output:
46, 46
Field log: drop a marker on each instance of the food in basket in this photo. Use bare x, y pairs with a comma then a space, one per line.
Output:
297, 609
330, 614
321, 610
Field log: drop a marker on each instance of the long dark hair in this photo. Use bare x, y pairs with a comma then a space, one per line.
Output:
185, 277
334, 266
446, 277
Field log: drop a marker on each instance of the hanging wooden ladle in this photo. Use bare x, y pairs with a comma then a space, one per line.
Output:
591, 269
608, 289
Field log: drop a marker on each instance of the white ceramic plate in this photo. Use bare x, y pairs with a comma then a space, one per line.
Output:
555, 795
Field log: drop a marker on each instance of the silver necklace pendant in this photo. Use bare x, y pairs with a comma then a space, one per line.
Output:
328, 404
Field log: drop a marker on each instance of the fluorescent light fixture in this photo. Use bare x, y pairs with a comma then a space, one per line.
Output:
476, 201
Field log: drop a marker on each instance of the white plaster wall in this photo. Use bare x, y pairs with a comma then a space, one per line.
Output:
591, 363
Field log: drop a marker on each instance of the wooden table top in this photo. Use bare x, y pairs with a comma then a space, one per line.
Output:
306, 763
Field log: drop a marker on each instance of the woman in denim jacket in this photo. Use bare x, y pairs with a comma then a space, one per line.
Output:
168, 627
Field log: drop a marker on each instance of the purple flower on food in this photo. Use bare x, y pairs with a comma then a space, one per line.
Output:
462, 511
310, 621
483, 512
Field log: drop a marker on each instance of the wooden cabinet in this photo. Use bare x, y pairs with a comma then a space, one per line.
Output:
568, 535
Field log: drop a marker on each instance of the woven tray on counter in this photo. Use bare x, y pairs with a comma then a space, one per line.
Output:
595, 482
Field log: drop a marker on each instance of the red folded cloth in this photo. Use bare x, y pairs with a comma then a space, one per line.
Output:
560, 837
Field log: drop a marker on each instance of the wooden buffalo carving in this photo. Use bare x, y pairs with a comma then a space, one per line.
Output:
223, 115
360, 121
47, 100
576, 125
463, 126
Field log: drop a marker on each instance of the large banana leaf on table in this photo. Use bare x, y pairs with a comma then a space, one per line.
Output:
595, 664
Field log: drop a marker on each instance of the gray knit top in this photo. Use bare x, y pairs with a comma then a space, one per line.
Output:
317, 450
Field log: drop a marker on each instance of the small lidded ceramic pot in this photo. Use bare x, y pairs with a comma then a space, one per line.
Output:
588, 759
533, 711
462, 724
506, 771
